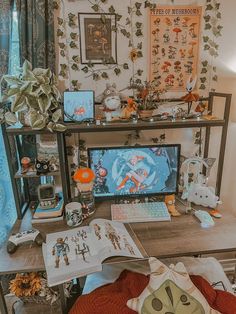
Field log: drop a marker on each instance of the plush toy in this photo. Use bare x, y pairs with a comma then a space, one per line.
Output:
170, 203
203, 195
111, 101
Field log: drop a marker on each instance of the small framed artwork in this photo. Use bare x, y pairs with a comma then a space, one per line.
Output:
79, 106
98, 38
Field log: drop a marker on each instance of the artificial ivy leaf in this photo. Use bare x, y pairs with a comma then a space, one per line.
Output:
213, 52
90, 64
76, 59
203, 71
95, 7
117, 71
75, 67
104, 75
118, 17
203, 79
207, 26
114, 28
103, 18
205, 39
129, 10
146, 4
214, 69
103, 1
206, 47
140, 45
125, 33
60, 21
96, 77
139, 72
202, 86
73, 35
85, 69
138, 13
205, 63
138, 81
59, 33
126, 66
112, 9
63, 66
138, 24
215, 78
207, 18
218, 15
56, 116
111, 60
130, 43
55, 5
73, 44
62, 53
139, 33
139, 54
127, 21
62, 45
74, 82
71, 16
62, 74
209, 7
217, 6
138, 5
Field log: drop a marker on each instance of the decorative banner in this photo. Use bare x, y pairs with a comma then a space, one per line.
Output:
175, 37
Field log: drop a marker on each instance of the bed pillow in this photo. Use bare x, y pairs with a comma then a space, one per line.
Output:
170, 290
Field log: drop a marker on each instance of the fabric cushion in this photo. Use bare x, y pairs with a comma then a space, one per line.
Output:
222, 301
172, 298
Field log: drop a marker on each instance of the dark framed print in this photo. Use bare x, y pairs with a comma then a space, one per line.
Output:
79, 106
98, 38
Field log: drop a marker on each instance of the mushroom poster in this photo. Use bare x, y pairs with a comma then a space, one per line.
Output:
174, 45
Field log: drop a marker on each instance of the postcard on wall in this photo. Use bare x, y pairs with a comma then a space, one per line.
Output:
80, 251
98, 39
174, 45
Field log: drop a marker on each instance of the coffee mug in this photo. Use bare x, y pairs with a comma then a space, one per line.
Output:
74, 215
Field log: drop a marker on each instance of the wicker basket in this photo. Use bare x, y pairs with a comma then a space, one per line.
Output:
39, 300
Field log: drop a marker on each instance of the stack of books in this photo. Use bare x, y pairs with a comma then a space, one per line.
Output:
42, 215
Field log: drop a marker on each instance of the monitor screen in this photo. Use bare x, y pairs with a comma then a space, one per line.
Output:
132, 171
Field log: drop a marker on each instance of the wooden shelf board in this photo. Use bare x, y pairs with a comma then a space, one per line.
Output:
124, 126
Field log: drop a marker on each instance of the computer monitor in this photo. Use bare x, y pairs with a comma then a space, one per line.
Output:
135, 171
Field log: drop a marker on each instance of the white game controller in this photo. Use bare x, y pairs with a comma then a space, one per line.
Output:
205, 218
22, 237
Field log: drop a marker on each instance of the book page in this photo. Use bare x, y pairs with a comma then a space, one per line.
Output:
114, 239
70, 254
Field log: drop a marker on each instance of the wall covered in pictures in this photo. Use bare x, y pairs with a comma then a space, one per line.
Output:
94, 47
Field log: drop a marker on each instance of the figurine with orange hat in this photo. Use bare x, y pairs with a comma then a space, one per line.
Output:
84, 179
190, 97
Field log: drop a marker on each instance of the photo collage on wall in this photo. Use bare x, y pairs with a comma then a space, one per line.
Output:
174, 45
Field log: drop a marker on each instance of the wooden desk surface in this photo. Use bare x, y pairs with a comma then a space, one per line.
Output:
181, 237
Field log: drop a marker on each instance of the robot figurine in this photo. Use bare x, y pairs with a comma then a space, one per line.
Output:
61, 248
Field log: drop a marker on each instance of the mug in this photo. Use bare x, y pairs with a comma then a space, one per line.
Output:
74, 216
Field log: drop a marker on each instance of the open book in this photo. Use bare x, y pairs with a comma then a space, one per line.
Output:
80, 251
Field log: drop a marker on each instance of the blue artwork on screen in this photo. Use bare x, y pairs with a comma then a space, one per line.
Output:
135, 170
78, 106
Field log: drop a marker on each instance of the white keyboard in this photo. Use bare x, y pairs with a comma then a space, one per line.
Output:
141, 212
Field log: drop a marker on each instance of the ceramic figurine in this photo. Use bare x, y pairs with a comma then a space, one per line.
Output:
26, 164
42, 166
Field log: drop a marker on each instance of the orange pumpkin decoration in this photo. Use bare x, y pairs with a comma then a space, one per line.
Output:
84, 175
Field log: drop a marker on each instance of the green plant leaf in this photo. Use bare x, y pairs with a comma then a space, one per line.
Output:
56, 116
138, 13
209, 7
205, 39
19, 103
117, 71
44, 103
12, 91
75, 67
203, 71
73, 35
202, 86
12, 80
138, 5
76, 59
112, 9
60, 21
118, 17
37, 120
126, 66
59, 127
207, 26
10, 118
215, 78
104, 75
205, 63
139, 33
95, 7
85, 69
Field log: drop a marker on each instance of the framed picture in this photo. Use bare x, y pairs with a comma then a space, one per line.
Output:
79, 106
98, 38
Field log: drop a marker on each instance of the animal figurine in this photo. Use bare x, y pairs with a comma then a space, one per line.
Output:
42, 166
170, 203
130, 109
111, 101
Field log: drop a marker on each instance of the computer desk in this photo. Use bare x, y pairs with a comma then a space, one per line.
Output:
183, 236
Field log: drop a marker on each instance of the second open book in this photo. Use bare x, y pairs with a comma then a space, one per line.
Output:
80, 251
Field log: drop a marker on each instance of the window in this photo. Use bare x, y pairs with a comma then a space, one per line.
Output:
15, 46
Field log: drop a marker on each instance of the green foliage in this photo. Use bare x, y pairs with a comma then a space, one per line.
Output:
33, 92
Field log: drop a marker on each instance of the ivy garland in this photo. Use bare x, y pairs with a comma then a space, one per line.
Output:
213, 30
67, 40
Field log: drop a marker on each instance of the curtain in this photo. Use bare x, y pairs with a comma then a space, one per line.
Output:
7, 206
36, 30
36, 34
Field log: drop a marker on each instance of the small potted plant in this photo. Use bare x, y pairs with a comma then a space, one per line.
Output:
148, 98
33, 94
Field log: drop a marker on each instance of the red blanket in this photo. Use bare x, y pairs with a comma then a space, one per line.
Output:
112, 298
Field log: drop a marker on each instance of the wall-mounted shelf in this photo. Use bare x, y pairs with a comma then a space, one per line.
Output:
32, 174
